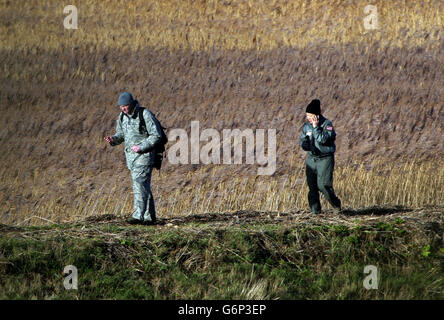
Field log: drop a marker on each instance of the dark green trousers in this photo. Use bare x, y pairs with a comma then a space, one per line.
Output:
319, 173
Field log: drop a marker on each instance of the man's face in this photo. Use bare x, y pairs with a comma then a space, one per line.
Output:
310, 117
125, 109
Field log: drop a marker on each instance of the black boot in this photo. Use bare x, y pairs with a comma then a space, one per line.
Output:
134, 221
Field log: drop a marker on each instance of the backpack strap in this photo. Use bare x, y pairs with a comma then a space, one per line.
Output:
142, 124
142, 127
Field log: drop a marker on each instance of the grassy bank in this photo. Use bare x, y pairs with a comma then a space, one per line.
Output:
245, 261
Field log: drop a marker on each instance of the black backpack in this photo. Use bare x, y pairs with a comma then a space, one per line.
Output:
160, 148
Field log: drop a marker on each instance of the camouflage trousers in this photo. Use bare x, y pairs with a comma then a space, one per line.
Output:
144, 208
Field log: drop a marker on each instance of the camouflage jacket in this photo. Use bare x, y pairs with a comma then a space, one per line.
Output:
127, 131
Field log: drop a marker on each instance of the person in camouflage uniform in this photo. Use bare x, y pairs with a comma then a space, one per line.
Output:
139, 153
318, 139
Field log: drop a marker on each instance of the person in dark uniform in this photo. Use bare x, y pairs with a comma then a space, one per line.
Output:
318, 139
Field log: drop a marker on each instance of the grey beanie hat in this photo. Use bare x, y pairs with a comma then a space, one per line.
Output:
125, 99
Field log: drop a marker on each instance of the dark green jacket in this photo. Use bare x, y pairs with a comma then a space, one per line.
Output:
319, 141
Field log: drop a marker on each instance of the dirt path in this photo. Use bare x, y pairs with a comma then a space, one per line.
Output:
364, 216
428, 219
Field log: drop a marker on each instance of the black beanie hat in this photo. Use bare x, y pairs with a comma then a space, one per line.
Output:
314, 107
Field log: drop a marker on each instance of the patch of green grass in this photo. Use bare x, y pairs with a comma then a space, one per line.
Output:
112, 228
384, 226
340, 230
426, 251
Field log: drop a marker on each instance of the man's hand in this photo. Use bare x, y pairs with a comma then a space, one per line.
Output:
109, 139
135, 149
315, 121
